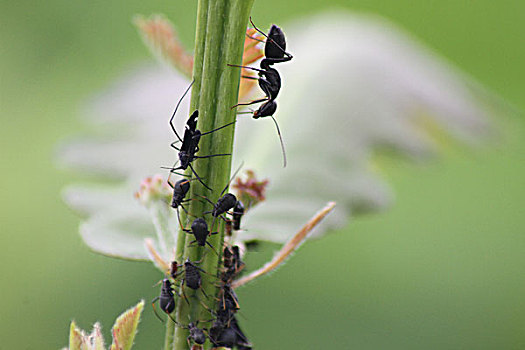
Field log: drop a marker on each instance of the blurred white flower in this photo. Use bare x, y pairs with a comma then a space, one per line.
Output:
356, 84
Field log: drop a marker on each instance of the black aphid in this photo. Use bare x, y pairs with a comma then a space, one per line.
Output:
238, 212
196, 334
166, 299
199, 228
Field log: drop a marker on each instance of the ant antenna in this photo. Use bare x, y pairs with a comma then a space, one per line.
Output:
177, 107
231, 178
273, 41
280, 139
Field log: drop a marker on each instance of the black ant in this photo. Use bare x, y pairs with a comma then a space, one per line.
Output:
269, 78
190, 141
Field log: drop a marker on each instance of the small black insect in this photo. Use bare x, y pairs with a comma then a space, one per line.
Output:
222, 336
180, 189
199, 228
228, 334
225, 202
241, 341
232, 263
238, 212
166, 299
192, 275
196, 334
190, 142
228, 300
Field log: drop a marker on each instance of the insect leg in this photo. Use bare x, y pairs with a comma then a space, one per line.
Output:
198, 177
250, 103
220, 127
213, 155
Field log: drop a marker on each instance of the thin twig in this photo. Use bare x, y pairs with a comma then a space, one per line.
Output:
287, 249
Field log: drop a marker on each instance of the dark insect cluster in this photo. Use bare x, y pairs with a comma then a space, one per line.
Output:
224, 329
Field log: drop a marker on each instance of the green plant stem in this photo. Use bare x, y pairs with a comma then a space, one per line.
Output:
221, 27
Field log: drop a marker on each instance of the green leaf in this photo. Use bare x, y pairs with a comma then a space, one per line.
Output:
96, 339
125, 328
77, 340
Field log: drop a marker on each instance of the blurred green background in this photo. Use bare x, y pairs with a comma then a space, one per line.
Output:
443, 269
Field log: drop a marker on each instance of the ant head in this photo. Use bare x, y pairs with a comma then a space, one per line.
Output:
267, 109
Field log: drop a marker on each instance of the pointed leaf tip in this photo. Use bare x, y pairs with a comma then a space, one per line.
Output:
125, 327
76, 338
96, 338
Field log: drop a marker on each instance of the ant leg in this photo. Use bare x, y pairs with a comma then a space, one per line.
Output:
173, 145
248, 77
198, 177
279, 60
252, 68
250, 103
176, 173
219, 128
213, 155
